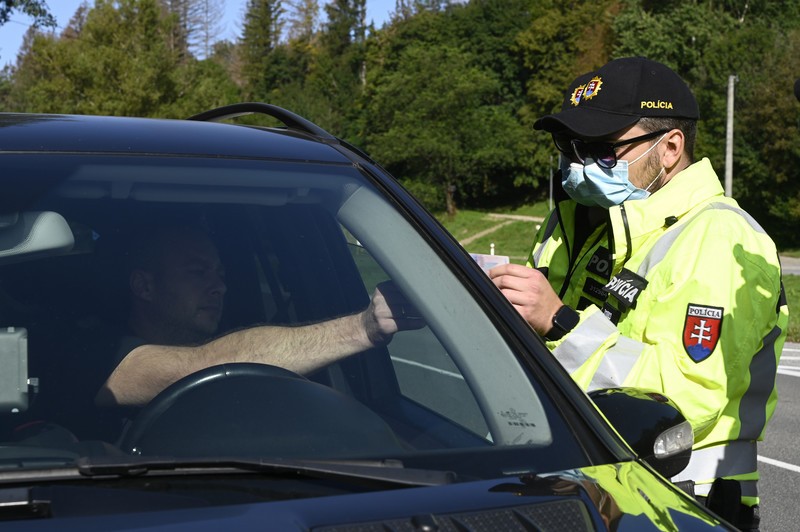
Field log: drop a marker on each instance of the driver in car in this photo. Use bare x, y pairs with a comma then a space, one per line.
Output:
177, 287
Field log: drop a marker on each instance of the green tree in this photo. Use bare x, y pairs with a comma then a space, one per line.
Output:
197, 27
205, 24
707, 42
346, 26
178, 40
116, 61
489, 30
440, 119
564, 39
262, 32
292, 63
485, 32
201, 85
766, 176
36, 9
303, 20
338, 68
303, 41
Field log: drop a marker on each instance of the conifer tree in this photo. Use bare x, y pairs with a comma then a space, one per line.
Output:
263, 24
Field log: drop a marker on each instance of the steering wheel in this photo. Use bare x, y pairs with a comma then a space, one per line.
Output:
256, 410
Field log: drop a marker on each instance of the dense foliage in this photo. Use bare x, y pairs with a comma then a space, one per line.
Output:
445, 93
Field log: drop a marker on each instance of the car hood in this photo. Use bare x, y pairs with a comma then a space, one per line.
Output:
624, 496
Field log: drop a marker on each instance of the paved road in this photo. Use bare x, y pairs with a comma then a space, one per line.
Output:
779, 453
790, 265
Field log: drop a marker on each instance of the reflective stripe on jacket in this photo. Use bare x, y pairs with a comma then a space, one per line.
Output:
679, 293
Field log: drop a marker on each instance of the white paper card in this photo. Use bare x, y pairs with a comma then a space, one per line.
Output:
487, 262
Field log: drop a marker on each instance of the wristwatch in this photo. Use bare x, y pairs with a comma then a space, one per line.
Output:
564, 320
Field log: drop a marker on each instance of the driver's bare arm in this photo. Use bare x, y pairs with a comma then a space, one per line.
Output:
149, 369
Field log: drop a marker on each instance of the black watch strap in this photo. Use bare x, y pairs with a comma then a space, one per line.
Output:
564, 320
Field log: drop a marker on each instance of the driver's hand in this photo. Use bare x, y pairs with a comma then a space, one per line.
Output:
389, 312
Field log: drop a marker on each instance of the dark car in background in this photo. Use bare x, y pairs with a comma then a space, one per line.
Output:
465, 423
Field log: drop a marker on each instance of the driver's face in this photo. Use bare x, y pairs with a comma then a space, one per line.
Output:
189, 288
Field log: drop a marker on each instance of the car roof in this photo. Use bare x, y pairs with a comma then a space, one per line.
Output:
125, 135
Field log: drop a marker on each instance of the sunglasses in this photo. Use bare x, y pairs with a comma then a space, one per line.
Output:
601, 152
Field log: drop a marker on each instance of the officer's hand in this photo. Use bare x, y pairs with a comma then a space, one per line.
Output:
530, 293
389, 312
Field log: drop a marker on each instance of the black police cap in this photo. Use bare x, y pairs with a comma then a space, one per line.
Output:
617, 95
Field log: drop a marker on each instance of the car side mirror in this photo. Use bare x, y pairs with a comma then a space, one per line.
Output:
651, 424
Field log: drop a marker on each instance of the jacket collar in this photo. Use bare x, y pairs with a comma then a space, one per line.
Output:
633, 222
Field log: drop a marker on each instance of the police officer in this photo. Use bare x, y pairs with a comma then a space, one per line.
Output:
646, 275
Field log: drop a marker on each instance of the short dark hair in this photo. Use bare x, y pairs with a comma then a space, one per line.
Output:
687, 126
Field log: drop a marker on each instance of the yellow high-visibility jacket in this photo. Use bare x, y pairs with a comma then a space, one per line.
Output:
678, 293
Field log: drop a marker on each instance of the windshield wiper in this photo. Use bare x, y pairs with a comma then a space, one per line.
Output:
378, 471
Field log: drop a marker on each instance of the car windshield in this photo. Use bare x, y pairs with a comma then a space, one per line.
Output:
300, 242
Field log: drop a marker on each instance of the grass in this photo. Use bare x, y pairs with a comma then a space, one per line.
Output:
515, 237
510, 237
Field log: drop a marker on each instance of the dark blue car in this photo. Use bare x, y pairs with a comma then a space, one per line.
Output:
463, 421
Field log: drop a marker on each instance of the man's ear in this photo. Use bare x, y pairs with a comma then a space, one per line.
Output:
141, 283
674, 142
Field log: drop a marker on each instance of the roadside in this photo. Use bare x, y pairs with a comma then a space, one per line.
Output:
790, 265
469, 240
507, 220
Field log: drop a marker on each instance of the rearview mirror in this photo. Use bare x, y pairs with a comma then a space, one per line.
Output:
27, 235
651, 424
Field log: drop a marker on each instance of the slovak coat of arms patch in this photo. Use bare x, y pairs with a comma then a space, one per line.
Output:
701, 330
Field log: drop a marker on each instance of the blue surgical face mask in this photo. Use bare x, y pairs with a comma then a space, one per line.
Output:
590, 184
